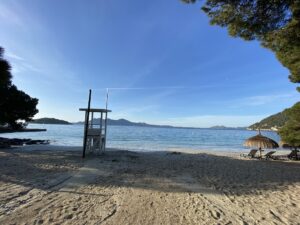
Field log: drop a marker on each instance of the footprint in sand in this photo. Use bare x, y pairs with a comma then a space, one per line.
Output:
68, 217
215, 214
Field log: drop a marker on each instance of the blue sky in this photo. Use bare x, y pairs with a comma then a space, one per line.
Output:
162, 60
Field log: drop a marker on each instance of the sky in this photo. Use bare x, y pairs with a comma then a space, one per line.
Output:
161, 60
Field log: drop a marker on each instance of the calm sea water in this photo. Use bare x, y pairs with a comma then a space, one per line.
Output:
148, 138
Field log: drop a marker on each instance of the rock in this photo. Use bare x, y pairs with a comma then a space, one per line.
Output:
8, 142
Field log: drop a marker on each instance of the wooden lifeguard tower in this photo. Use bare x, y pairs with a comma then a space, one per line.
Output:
94, 139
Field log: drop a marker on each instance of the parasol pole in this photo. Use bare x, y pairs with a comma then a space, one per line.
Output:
259, 133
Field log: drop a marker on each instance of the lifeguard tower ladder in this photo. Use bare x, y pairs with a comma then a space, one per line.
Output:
94, 139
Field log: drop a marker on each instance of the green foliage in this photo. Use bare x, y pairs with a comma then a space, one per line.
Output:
5, 75
290, 132
277, 120
15, 105
275, 23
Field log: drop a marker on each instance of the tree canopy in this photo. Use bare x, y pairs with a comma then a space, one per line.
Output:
275, 23
290, 132
277, 120
5, 75
15, 105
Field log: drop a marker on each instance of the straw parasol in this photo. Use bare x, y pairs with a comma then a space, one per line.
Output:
259, 141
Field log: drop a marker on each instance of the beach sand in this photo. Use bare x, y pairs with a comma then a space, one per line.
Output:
122, 187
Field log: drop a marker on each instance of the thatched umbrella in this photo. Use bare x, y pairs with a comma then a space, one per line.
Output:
259, 141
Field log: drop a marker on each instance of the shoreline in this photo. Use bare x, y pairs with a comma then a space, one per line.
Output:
4, 130
14, 142
147, 139
66, 148
162, 187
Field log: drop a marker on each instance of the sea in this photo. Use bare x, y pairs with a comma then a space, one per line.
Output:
148, 138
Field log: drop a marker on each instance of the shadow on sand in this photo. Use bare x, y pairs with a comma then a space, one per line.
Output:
157, 171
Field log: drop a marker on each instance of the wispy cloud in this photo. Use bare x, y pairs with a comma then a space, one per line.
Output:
14, 56
14, 14
132, 112
259, 100
20, 64
142, 88
149, 103
50, 70
186, 88
212, 120
8, 15
146, 71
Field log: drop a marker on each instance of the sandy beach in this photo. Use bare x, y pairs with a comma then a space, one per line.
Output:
123, 187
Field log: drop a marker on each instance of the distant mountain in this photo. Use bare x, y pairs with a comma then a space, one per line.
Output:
227, 128
123, 122
273, 122
50, 121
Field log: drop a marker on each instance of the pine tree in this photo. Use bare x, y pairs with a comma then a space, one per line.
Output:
274, 23
290, 132
16, 107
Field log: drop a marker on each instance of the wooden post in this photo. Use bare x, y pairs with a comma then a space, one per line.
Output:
105, 128
92, 119
86, 126
260, 152
101, 119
